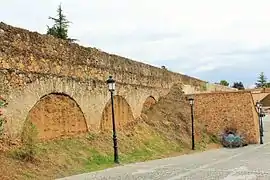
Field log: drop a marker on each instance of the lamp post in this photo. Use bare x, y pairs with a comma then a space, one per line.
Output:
258, 105
191, 102
261, 116
111, 85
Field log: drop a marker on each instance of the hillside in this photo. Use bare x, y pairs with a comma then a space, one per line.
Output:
163, 130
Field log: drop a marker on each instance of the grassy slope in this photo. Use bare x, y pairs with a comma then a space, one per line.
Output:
65, 157
161, 132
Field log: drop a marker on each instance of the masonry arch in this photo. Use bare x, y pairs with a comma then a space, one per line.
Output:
123, 114
148, 103
56, 115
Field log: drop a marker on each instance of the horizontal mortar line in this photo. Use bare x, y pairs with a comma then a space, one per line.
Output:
74, 78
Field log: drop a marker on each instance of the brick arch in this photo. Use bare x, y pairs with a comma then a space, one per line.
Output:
123, 114
57, 115
148, 103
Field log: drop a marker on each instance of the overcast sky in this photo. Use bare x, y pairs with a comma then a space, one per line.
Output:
209, 39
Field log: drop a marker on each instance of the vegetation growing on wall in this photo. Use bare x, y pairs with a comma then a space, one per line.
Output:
28, 150
204, 87
2, 119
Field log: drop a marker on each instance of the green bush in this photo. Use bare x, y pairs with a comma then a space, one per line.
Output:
2, 119
214, 139
29, 139
91, 136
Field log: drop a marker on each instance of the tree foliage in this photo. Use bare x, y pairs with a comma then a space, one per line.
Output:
238, 85
224, 83
261, 81
60, 27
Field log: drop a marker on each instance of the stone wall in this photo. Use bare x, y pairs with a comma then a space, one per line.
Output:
34, 66
217, 87
31, 52
258, 96
222, 110
23, 90
266, 101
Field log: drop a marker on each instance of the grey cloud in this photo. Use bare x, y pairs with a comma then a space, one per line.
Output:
132, 37
258, 51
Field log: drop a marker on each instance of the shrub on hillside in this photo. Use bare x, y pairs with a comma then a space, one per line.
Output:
2, 119
2, 122
29, 139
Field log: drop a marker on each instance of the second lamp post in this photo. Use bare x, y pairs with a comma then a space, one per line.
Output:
111, 84
260, 115
191, 102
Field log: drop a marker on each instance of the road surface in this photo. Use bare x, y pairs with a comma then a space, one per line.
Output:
248, 163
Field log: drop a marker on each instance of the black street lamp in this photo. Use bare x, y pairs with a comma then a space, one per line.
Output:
259, 111
111, 85
191, 102
261, 116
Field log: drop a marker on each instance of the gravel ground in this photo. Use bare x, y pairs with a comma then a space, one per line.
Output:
248, 163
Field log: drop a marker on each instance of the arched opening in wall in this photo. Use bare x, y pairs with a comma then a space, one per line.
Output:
122, 111
57, 115
148, 103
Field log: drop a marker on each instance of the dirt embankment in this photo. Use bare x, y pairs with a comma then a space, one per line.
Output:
163, 130
171, 117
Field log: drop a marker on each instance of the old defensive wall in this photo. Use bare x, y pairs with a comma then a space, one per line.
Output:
228, 110
60, 86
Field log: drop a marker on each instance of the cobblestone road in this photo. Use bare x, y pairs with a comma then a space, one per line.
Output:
248, 163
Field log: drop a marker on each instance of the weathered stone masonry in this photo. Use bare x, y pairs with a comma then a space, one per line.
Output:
33, 66
221, 110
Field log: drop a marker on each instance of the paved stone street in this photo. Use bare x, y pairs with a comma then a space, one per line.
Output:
248, 163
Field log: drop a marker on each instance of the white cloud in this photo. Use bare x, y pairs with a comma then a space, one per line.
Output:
192, 36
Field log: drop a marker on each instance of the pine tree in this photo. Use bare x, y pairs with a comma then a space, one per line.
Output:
60, 27
262, 81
